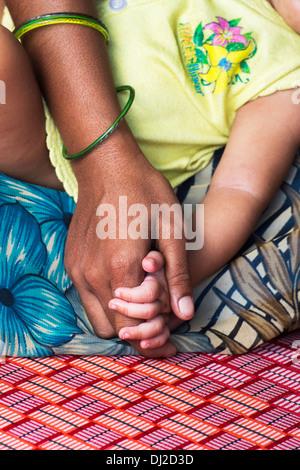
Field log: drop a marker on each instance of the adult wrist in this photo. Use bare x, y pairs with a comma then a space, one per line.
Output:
117, 155
107, 133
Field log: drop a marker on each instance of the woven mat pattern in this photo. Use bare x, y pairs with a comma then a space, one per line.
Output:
189, 402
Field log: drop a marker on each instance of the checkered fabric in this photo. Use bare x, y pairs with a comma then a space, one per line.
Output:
188, 402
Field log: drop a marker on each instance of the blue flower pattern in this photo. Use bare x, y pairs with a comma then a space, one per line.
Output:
35, 316
53, 212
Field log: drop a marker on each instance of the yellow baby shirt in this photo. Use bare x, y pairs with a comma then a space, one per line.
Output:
193, 64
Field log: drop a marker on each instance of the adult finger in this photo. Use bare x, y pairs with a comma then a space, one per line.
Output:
178, 277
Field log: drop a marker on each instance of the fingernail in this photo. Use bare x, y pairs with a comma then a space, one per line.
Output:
117, 293
123, 334
112, 306
186, 307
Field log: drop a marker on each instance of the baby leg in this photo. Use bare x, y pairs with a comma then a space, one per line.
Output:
23, 150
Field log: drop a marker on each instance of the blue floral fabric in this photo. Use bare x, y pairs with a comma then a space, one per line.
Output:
251, 300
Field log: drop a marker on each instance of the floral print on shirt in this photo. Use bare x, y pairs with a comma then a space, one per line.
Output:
217, 54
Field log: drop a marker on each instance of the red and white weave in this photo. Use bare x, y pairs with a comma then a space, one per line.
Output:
189, 402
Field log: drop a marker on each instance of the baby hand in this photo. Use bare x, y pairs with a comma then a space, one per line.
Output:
149, 301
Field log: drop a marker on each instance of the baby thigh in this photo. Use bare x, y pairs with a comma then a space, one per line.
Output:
23, 150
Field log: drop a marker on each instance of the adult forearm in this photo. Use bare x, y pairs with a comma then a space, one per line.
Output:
72, 66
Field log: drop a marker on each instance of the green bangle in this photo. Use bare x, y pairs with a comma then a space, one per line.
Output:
109, 130
60, 18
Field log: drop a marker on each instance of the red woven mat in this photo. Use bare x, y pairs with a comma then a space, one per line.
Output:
189, 402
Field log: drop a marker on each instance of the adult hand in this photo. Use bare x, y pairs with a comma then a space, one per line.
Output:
97, 266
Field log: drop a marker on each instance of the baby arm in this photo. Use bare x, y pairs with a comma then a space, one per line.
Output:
263, 143
290, 12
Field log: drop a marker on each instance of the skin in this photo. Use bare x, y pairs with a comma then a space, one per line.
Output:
248, 176
26, 127
84, 98
290, 11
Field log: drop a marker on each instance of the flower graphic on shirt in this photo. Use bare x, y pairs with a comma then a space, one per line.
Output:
217, 54
224, 33
224, 65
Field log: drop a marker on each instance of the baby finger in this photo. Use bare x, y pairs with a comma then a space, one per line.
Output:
144, 311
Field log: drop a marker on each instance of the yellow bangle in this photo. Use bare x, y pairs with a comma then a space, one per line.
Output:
61, 18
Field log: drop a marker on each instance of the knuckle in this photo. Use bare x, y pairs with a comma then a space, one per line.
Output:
130, 297
117, 263
124, 266
74, 274
151, 292
92, 277
149, 312
126, 309
139, 333
179, 278
158, 328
